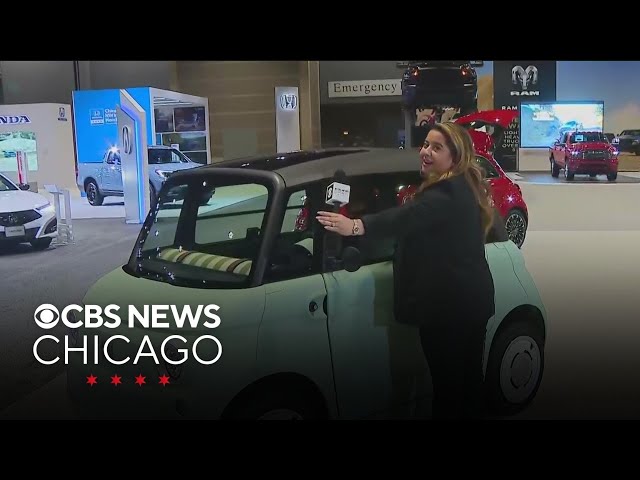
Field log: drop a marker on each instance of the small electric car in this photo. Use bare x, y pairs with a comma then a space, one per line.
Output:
305, 324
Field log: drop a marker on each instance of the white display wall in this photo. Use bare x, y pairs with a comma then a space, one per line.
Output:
43, 131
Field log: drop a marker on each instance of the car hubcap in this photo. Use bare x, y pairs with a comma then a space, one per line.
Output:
91, 194
520, 369
515, 226
281, 414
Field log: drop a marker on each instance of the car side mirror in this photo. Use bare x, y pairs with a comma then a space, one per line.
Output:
24, 186
351, 259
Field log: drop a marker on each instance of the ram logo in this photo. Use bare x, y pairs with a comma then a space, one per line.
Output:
524, 78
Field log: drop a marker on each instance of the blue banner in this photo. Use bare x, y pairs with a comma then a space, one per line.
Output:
96, 121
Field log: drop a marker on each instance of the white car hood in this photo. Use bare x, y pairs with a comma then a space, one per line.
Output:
18, 200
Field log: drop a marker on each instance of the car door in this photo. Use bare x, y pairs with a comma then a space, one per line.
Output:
293, 337
378, 365
109, 172
116, 174
559, 150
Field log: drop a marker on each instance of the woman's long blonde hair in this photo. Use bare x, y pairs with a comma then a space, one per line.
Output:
460, 145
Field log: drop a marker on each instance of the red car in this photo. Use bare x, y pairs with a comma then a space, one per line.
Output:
486, 129
579, 152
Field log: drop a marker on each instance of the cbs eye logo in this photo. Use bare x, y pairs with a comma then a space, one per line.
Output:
46, 316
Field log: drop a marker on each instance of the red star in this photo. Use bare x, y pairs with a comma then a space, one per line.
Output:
164, 380
115, 380
92, 380
140, 380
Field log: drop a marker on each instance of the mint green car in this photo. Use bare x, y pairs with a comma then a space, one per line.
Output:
306, 327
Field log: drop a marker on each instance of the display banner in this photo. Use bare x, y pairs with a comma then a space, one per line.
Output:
514, 82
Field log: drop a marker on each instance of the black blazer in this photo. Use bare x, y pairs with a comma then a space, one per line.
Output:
440, 268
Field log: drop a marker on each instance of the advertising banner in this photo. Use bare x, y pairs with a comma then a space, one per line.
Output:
96, 120
515, 82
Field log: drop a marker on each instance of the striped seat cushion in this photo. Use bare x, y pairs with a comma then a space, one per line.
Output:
241, 266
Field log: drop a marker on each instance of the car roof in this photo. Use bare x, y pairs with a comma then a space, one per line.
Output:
306, 166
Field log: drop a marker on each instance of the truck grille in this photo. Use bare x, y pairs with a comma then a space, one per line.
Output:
595, 155
15, 219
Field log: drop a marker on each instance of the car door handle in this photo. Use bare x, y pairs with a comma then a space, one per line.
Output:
313, 306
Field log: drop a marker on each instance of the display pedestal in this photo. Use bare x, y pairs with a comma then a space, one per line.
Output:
65, 224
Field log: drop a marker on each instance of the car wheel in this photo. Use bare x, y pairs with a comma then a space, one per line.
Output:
41, 243
612, 176
515, 368
516, 226
555, 169
568, 175
94, 197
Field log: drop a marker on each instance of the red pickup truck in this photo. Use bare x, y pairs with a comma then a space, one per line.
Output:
587, 153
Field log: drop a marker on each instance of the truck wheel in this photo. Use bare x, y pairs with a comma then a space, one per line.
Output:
94, 197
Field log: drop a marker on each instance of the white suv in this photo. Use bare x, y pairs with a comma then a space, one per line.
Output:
25, 216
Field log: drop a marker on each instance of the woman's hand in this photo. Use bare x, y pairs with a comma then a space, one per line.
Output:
334, 222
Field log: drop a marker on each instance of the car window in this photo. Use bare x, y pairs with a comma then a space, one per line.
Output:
489, 169
160, 156
581, 137
294, 252
372, 194
201, 237
5, 185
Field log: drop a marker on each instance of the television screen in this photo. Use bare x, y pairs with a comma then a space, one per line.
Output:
187, 141
11, 143
164, 120
542, 124
189, 119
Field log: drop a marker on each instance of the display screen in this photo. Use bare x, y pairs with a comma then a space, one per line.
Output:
189, 119
11, 143
164, 120
542, 124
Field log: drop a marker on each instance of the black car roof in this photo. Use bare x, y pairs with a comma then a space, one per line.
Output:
307, 166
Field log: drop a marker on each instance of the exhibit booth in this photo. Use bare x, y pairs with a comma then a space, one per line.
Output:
117, 123
37, 137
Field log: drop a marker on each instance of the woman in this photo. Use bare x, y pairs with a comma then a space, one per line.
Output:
442, 282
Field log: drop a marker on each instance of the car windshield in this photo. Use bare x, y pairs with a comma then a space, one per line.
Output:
6, 185
204, 233
583, 137
158, 156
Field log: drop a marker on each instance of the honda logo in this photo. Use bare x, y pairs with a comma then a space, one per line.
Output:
13, 119
288, 101
126, 140
524, 78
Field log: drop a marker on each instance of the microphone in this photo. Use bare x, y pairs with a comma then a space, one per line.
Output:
337, 195
338, 191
